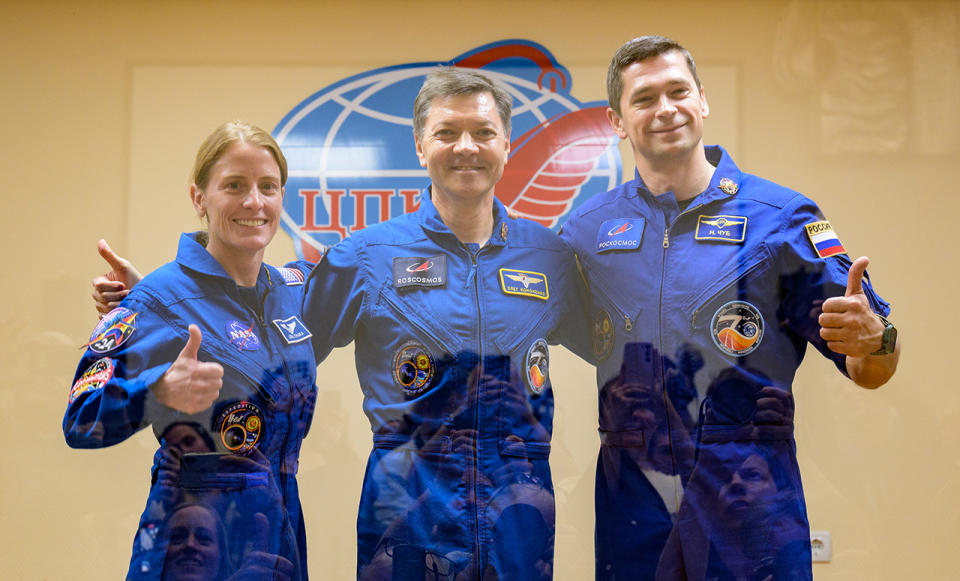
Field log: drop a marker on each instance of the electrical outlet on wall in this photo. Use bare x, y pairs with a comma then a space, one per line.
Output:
820, 546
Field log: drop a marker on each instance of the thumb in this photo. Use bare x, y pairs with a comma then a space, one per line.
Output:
190, 350
855, 276
115, 262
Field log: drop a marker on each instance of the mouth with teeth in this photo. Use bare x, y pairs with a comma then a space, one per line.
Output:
251, 222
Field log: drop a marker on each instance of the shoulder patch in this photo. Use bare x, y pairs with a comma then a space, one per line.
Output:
722, 228
620, 234
824, 239
524, 283
113, 330
95, 377
291, 276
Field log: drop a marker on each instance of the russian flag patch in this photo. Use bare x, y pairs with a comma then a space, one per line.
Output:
824, 239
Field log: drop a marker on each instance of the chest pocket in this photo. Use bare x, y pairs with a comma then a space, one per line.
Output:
741, 279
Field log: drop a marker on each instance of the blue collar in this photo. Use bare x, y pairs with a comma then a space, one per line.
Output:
193, 255
724, 183
431, 221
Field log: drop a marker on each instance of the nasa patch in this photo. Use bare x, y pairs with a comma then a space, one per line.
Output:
536, 366
737, 328
723, 228
603, 335
113, 330
415, 271
413, 368
292, 329
240, 427
95, 377
524, 283
241, 336
620, 234
291, 276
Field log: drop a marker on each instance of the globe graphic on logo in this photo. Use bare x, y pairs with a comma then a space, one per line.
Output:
352, 159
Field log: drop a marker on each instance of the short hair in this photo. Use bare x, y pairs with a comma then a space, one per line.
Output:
216, 144
636, 50
453, 81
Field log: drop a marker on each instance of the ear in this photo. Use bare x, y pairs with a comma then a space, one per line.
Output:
507, 145
196, 197
704, 107
616, 123
420, 154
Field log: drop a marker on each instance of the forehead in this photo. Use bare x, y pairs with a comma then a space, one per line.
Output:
477, 108
243, 155
664, 69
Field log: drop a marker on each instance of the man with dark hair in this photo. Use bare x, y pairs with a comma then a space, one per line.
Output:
707, 284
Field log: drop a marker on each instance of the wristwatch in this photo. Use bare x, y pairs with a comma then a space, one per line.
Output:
889, 341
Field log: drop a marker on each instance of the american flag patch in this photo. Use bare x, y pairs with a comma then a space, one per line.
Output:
291, 276
824, 239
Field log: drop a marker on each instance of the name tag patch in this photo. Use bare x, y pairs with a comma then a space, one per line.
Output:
415, 271
292, 329
620, 234
722, 228
824, 239
524, 283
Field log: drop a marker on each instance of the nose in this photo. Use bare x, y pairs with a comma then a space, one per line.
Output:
254, 199
466, 143
666, 106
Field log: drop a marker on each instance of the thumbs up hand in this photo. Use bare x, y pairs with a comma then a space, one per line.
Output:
190, 385
110, 288
259, 563
847, 323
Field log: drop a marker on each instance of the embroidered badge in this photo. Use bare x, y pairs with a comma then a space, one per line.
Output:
728, 186
603, 335
503, 231
737, 328
536, 366
413, 368
241, 336
824, 239
95, 377
724, 228
419, 272
291, 276
620, 234
113, 330
292, 329
524, 283
241, 427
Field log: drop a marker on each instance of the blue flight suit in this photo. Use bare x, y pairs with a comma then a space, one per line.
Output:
451, 353
695, 311
237, 458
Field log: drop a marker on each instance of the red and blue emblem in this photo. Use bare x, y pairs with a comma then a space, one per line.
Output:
353, 163
824, 239
95, 377
113, 330
620, 234
241, 336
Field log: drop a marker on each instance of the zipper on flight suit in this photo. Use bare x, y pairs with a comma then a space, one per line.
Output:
474, 273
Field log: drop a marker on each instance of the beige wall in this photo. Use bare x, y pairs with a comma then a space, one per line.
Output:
104, 103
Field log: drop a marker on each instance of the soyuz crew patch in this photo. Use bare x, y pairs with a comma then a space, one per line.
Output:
620, 234
413, 368
737, 328
291, 276
241, 336
241, 427
824, 239
724, 228
524, 283
113, 330
421, 272
603, 335
292, 329
95, 377
536, 366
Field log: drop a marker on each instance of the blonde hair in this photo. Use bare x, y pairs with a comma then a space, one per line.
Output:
214, 146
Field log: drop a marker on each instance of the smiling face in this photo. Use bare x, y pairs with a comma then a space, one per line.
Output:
464, 146
242, 201
194, 550
661, 109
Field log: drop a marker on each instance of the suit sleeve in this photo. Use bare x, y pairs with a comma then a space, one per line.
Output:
334, 297
110, 397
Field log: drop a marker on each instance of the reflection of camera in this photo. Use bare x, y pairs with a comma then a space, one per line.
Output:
409, 563
194, 466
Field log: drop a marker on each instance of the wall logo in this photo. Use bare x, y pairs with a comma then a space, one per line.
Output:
352, 159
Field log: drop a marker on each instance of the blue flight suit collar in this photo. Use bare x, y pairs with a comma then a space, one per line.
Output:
431, 221
194, 256
724, 183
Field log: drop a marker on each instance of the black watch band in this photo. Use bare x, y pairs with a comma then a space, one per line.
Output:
889, 341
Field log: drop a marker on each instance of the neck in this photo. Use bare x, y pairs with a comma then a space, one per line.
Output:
243, 268
685, 176
470, 220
